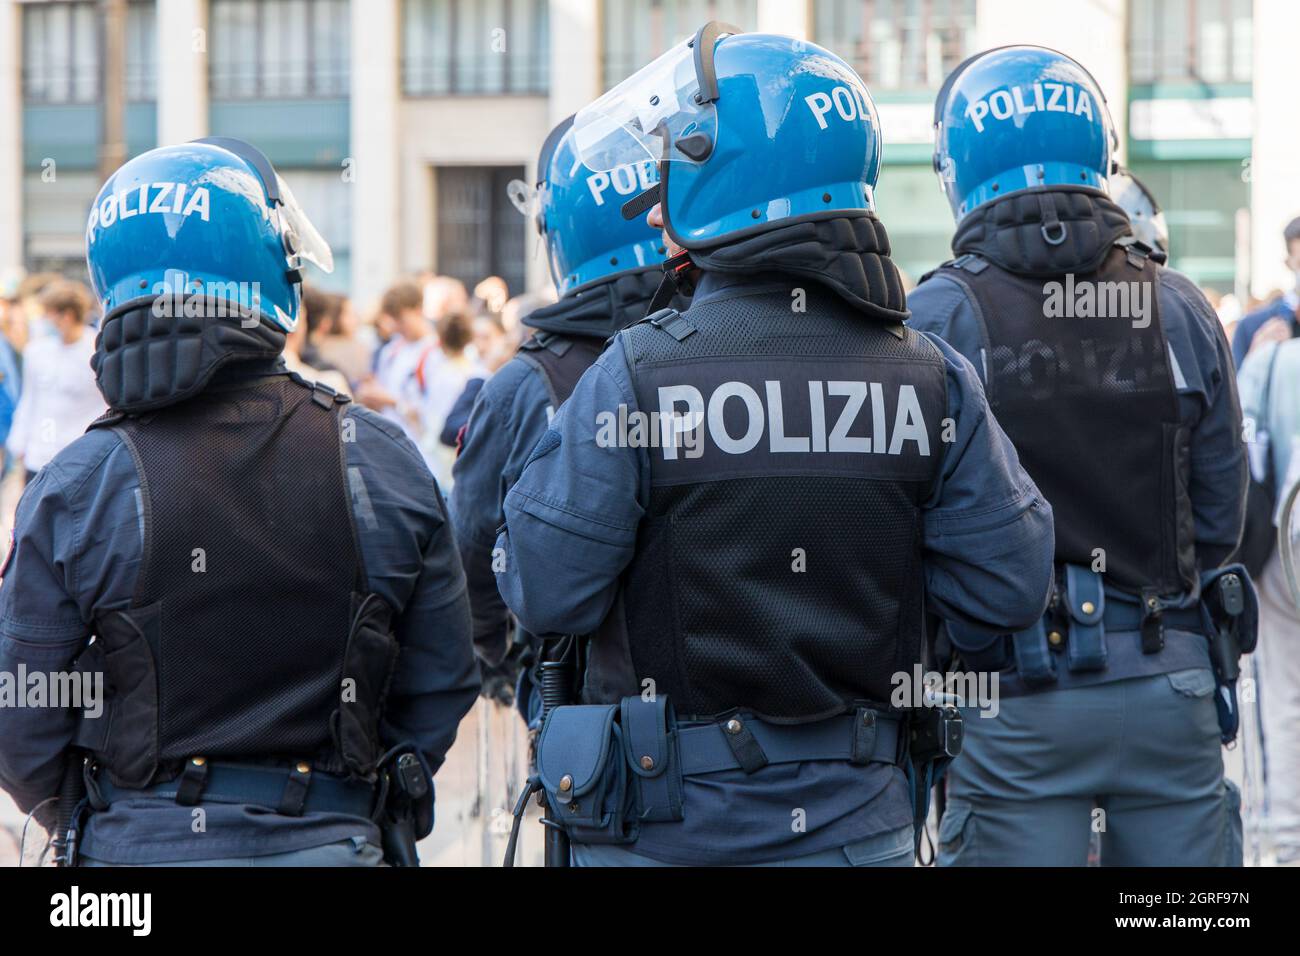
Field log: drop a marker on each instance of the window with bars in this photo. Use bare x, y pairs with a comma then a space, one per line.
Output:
897, 44
479, 233
1181, 41
62, 46
475, 46
634, 32
279, 48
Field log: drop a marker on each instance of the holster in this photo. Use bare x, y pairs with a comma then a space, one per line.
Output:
406, 804
605, 768
1230, 609
1085, 601
1035, 662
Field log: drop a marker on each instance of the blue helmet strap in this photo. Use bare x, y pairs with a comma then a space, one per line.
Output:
676, 282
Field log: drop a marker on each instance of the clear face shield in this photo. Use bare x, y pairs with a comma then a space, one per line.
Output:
302, 240
665, 112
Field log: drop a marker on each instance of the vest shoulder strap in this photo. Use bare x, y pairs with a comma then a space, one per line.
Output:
107, 420
560, 360
670, 321
322, 394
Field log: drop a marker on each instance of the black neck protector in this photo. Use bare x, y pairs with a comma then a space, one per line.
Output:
847, 253
1043, 232
600, 309
144, 361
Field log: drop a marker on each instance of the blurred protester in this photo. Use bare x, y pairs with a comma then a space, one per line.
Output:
59, 398
517, 309
443, 295
32, 314
1280, 320
387, 390
1228, 308
491, 295
382, 327
337, 343
1269, 382
10, 373
495, 346
440, 377
299, 356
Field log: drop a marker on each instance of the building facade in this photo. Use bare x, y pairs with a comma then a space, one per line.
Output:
399, 122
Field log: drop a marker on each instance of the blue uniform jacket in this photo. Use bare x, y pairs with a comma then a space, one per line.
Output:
571, 529
1207, 399
509, 416
78, 543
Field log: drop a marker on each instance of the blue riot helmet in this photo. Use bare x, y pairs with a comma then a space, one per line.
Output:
196, 255
1144, 213
750, 131
209, 218
577, 212
1020, 117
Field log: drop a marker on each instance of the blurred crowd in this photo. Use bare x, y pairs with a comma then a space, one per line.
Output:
419, 359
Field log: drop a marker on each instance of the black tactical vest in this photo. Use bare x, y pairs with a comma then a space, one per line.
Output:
1077, 372
778, 566
561, 360
250, 635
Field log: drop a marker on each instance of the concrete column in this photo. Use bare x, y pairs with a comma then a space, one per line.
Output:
373, 172
787, 17
11, 139
1274, 177
575, 56
1094, 33
182, 82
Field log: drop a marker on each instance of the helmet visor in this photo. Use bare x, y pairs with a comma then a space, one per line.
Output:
655, 114
301, 238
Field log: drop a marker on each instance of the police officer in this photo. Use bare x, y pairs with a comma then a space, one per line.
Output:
1145, 217
606, 268
1113, 377
265, 568
749, 505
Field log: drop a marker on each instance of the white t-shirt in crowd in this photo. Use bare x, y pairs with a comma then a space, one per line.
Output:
58, 400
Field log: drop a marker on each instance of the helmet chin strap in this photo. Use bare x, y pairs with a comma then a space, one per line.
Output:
676, 281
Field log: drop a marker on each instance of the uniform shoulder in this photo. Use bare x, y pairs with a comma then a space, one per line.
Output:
935, 302
517, 383
1188, 301
87, 456
379, 437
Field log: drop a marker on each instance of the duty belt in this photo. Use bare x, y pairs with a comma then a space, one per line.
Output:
747, 744
1119, 617
291, 791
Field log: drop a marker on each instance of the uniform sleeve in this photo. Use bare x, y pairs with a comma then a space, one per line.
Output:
1219, 471
505, 424
41, 632
411, 561
572, 517
989, 540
